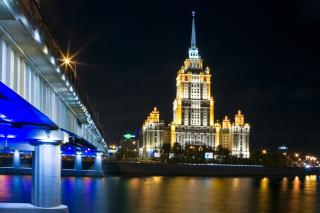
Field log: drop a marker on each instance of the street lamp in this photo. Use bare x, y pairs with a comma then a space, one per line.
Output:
264, 151
67, 62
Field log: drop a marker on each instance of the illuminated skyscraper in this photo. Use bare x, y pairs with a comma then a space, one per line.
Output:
193, 107
193, 113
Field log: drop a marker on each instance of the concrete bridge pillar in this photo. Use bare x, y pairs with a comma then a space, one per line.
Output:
46, 176
78, 161
98, 161
16, 163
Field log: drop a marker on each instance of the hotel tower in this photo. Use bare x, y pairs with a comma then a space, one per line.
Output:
193, 113
193, 107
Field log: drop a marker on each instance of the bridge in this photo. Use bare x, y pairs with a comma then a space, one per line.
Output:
42, 107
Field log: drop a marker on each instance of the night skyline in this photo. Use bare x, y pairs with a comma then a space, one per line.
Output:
263, 58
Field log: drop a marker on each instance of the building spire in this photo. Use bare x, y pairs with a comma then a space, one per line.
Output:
193, 50
193, 33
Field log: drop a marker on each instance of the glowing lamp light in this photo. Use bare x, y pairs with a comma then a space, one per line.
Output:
52, 60
67, 61
45, 50
11, 136
149, 150
36, 36
46, 140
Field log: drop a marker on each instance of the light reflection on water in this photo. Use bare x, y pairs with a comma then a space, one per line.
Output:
176, 194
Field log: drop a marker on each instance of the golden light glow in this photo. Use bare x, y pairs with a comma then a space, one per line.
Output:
217, 135
67, 62
211, 112
264, 151
239, 119
173, 134
178, 112
226, 122
154, 117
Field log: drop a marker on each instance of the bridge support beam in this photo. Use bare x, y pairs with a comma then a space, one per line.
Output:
46, 176
16, 163
78, 161
98, 161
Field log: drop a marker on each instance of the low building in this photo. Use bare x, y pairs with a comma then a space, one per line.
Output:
153, 133
129, 146
235, 136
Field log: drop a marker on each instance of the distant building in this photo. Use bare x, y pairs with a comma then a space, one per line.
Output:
193, 113
153, 133
234, 136
129, 146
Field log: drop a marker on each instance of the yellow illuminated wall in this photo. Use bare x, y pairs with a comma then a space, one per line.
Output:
179, 112
173, 134
217, 135
211, 112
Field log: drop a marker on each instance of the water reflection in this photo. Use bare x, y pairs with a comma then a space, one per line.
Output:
176, 194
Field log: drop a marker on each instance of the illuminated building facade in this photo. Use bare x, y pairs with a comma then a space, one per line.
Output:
153, 133
193, 113
193, 107
234, 136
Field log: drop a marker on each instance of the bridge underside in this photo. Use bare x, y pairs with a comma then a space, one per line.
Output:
28, 65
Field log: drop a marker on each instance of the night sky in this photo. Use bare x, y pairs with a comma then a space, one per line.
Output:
264, 58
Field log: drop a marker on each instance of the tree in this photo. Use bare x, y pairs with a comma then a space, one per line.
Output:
165, 151
222, 154
177, 152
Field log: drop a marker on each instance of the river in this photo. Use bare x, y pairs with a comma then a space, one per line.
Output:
176, 194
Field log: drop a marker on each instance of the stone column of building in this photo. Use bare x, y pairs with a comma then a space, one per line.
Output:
78, 161
46, 175
16, 162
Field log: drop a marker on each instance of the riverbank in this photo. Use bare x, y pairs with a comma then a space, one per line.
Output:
151, 169
133, 168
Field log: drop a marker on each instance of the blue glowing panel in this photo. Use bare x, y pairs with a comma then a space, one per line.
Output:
16, 111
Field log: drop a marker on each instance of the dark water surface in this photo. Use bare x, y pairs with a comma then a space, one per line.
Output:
176, 194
